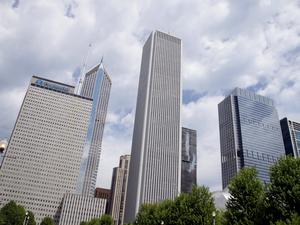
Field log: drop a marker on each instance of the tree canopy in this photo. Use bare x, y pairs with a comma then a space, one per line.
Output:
12, 214
188, 208
47, 221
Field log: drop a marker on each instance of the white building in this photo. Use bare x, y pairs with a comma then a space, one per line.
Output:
45, 149
154, 173
77, 208
119, 190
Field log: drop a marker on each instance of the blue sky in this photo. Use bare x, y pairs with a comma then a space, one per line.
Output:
226, 43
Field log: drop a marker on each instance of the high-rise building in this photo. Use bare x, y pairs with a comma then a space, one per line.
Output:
155, 171
291, 137
96, 85
78, 207
250, 134
188, 160
119, 190
44, 152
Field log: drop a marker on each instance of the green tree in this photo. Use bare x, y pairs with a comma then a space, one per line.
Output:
284, 190
47, 221
196, 207
106, 220
31, 220
188, 208
293, 220
12, 214
84, 223
246, 205
147, 215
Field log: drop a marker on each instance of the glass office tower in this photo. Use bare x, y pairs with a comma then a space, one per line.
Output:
250, 134
291, 137
97, 86
188, 159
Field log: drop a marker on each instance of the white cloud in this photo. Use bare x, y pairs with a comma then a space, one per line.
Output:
225, 44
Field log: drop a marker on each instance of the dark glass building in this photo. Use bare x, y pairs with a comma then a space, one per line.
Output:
250, 134
291, 137
188, 159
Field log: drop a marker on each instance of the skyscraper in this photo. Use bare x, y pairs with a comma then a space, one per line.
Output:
155, 171
188, 160
250, 134
83, 206
291, 137
43, 156
119, 190
96, 85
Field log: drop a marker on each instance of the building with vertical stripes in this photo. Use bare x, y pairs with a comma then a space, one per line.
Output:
77, 208
119, 190
291, 137
154, 173
43, 156
250, 134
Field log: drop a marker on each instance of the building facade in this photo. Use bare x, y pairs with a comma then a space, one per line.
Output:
250, 134
119, 190
155, 171
44, 152
77, 208
291, 137
96, 85
188, 160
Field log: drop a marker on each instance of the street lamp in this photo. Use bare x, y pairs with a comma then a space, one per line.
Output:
214, 217
26, 219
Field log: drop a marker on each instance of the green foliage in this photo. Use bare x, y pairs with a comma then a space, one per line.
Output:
31, 220
283, 200
12, 214
47, 221
193, 208
293, 220
246, 205
106, 220
103, 220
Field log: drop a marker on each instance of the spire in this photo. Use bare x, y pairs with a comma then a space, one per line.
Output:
79, 86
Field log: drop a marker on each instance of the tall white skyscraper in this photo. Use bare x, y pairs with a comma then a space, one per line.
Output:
154, 173
43, 157
96, 85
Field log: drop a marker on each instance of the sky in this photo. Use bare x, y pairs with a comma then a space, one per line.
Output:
226, 43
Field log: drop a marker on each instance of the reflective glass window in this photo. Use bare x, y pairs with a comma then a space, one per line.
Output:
297, 135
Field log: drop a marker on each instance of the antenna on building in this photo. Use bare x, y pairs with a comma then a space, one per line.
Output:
79, 86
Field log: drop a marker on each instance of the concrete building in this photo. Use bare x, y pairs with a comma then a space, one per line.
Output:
103, 193
43, 156
77, 208
119, 190
188, 160
291, 137
155, 171
250, 134
96, 85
